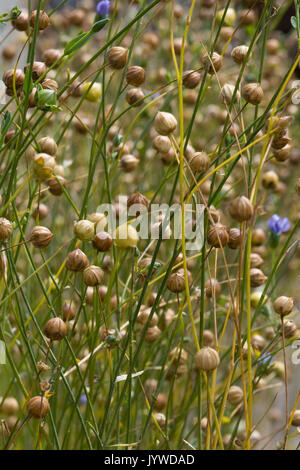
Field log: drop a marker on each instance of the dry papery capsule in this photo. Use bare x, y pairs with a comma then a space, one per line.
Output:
152, 334
43, 165
40, 211
296, 418
135, 75
99, 220
93, 275
255, 260
10, 406
76, 261
55, 329
40, 236
56, 185
38, 407
235, 395
258, 342
49, 84
126, 236
68, 310
289, 328
206, 359
176, 281
282, 154
50, 56
84, 229
47, 145
11, 75
227, 92
208, 338
283, 305
199, 162
215, 61
257, 277
258, 237
252, 93
77, 17
21, 23
102, 241
6, 228
137, 198
129, 162
234, 238
191, 79
241, 209
117, 57
9, 51
239, 54
38, 69
144, 315
212, 288
217, 236
165, 123
134, 97
162, 143
43, 20
269, 179
160, 402
160, 419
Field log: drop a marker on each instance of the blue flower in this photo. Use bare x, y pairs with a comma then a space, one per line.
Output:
278, 225
103, 8
83, 399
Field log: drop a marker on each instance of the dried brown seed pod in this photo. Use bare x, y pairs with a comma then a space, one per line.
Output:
56, 185
102, 241
217, 236
257, 277
241, 209
176, 281
50, 56
77, 17
11, 75
235, 395
296, 418
55, 329
208, 338
239, 54
38, 69
134, 97
234, 238
129, 162
40, 236
49, 84
117, 57
43, 20
38, 407
162, 143
93, 275
152, 334
68, 311
6, 228
135, 75
207, 359
160, 402
10, 406
165, 123
200, 162
144, 315
269, 180
283, 305
76, 261
255, 260
258, 237
212, 288
137, 198
215, 61
21, 23
48, 145
191, 79
252, 93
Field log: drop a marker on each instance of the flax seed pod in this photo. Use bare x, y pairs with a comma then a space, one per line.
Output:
135, 75
282, 154
165, 123
6, 228
102, 241
256, 260
252, 93
38, 69
239, 54
21, 23
206, 359
217, 236
200, 162
93, 275
212, 288
160, 402
40, 236
55, 329
51, 56
152, 334
289, 328
43, 165
241, 209
258, 237
50, 84
43, 20
227, 92
38, 407
117, 57
235, 395
126, 236
10, 406
234, 238
208, 338
76, 261
129, 163
296, 418
84, 229
269, 180
144, 315
162, 144
47, 145
215, 62
56, 185
134, 97
77, 17
191, 79
283, 305
257, 277
176, 281
68, 311
11, 75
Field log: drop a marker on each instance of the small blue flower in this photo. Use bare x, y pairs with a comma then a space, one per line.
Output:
103, 8
83, 400
278, 225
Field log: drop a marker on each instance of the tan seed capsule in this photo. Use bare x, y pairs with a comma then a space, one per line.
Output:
48, 145
235, 395
76, 261
68, 311
43, 20
191, 79
215, 61
10, 406
176, 282
117, 57
129, 162
93, 275
241, 209
296, 418
56, 185
21, 23
283, 305
207, 359
257, 277
162, 143
135, 75
137, 198
12, 76
239, 54
212, 288
258, 237
102, 241
55, 329
84, 229
43, 165
217, 236
152, 334
234, 238
40, 236
38, 407
269, 180
165, 123
253, 93
134, 97
6, 228
200, 162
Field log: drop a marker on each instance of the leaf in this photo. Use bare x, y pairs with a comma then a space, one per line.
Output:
15, 12
99, 25
294, 22
76, 43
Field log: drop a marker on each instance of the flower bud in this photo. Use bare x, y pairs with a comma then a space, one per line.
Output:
76, 261
84, 229
55, 329
241, 209
283, 305
38, 407
206, 359
117, 57
40, 236
200, 162
191, 79
217, 236
93, 275
126, 236
165, 123
135, 75
102, 241
6, 228
252, 93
